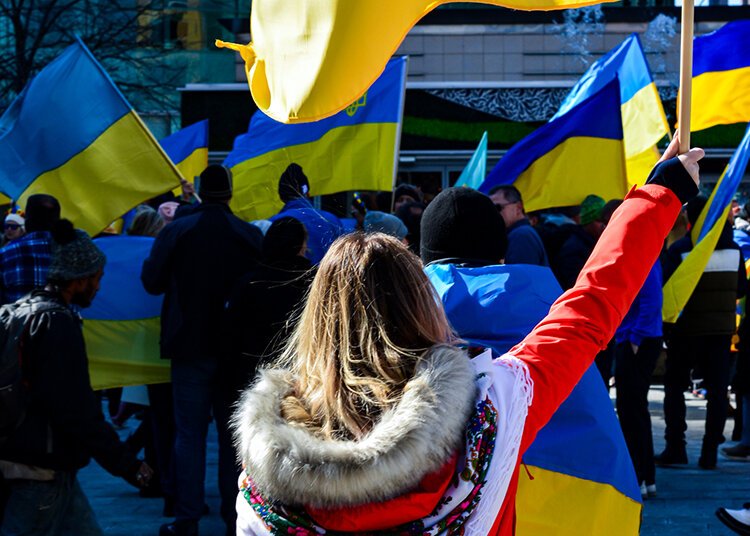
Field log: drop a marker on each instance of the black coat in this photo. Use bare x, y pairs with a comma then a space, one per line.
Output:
195, 262
64, 426
260, 314
573, 256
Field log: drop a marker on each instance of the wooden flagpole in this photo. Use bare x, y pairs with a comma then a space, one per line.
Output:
686, 73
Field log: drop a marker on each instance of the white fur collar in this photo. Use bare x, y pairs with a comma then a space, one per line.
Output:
289, 464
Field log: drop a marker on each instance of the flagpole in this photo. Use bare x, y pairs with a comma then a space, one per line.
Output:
686, 73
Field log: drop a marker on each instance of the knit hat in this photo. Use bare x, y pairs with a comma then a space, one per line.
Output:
409, 191
74, 254
380, 222
293, 183
591, 209
284, 239
462, 223
216, 183
15, 218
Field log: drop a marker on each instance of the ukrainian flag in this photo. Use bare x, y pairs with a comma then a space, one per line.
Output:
705, 234
583, 478
121, 328
309, 60
643, 120
721, 76
356, 149
72, 134
188, 149
572, 156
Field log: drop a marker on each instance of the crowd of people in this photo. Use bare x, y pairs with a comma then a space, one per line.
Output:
339, 385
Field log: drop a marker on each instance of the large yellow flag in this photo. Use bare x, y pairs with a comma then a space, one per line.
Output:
309, 60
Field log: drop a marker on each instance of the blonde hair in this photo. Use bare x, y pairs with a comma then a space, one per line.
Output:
370, 316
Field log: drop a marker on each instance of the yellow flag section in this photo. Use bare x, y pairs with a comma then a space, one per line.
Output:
310, 60
73, 135
721, 76
356, 149
551, 496
122, 327
572, 156
643, 120
705, 235
188, 149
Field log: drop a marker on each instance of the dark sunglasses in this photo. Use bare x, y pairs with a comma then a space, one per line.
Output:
12, 226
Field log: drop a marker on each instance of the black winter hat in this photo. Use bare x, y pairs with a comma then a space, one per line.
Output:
284, 239
216, 182
462, 223
293, 183
42, 212
409, 191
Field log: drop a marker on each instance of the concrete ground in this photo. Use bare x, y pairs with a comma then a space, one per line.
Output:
686, 502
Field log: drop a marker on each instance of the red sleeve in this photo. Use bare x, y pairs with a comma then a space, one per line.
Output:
584, 319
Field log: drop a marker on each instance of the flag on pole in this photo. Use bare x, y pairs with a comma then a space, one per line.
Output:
188, 149
583, 478
72, 134
122, 326
310, 60
721, 76
572, 156
476, 169
705, 234
357, 149
643, 120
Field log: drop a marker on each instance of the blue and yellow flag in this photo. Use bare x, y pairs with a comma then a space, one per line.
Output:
476, 169
72, 134
572, 156
188, 149
721, 76
583, 478
121, 327
309, 60
705, 234
356, 149
643, 120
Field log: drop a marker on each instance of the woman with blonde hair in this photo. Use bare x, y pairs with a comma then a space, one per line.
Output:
377, 422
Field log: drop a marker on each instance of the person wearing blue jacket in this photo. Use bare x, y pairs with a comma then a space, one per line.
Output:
322, 227
639, 341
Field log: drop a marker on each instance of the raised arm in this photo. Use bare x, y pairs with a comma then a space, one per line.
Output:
583, 320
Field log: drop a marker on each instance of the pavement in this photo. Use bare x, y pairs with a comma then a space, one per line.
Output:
685, 504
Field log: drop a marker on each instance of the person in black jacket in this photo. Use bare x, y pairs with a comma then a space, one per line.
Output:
64, 426
701, 339
264, 304
195, 262
578, 247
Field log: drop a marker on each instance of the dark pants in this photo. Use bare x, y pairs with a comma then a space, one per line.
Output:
197, 391
53, 508
162, 421
709, 353
633, 379
604, 361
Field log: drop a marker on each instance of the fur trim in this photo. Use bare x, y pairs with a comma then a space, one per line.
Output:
416, 437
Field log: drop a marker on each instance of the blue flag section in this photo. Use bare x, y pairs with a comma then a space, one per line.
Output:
473, 174
584, 480
563, 161
122, 325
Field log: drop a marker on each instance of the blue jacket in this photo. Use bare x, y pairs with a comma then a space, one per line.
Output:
322, 227
524, 245
644, 317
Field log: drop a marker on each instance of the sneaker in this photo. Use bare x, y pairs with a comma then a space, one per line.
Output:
737, 452
651, 490
644, 490
671, 457
737, 520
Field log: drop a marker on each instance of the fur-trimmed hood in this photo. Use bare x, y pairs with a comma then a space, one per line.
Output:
289, 464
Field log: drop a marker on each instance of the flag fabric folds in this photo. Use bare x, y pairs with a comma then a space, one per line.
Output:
188, 149
572, 156
72, 134
310, 60
721, 76
643, 120
122, 326
583, 479
705, 234
473, 174
356, 149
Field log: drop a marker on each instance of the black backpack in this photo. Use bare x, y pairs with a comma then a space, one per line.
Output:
15, 319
